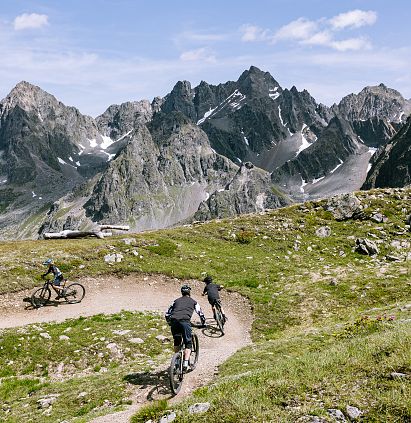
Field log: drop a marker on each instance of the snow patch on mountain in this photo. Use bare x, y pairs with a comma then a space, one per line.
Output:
304, 143
206, 115
336, 167
273, 94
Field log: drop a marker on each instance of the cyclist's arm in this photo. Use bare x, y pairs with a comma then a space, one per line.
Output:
168, 312
200, 313
48, 271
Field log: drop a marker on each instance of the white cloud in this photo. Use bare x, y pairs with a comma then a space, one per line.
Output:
359, 43
300, 29
323, 38
30, 21
353, 19
253, 33
200, 54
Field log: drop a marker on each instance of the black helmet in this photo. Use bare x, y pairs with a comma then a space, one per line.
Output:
208, 279
185, 290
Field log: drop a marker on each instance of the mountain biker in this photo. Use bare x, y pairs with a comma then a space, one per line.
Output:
211, 289
178, 316
58, 277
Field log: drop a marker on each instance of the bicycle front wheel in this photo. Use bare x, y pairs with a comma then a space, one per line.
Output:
175, 373
74, 293
40, 297
195, 352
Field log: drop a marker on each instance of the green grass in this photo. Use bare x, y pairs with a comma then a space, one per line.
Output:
72, 360
303, 290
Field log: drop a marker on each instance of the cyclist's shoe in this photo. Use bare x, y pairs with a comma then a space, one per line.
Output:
186, 366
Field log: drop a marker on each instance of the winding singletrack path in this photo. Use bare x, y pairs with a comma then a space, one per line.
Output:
144, 293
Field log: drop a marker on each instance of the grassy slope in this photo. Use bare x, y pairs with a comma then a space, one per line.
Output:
285, 269
36, 362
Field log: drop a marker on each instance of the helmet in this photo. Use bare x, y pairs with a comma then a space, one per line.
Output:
185, 290
208, 279
48, 261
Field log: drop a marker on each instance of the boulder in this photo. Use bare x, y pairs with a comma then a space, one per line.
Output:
344, 206
323, 232
365, 246
353, 413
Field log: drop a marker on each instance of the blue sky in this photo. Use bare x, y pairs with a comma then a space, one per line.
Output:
93, 53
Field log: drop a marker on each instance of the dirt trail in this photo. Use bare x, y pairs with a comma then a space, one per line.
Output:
155, 292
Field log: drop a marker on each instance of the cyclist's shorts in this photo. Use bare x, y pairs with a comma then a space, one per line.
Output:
213, 301
181, 328
57, 280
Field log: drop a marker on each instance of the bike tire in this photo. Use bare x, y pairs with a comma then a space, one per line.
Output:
219, 319
195, 352
75, 292
175, 373
40, 297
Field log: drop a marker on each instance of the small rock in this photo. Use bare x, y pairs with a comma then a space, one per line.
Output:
128, 241
353, 413
337, 414
398, 375
82, 395
113, 258
379, 218
115, 351
121, 332
45, 335
136, 340
64, 338
82, 266
162, 338
103, 370
366, 246
200, 407
392, 257
323, 232
168, 418
46, 401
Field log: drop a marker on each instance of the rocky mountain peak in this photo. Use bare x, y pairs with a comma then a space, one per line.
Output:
256, 83
181, 99
375, 101
28, 97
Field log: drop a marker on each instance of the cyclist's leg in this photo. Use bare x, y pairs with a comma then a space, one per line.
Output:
187, 339
176, 331
56, 283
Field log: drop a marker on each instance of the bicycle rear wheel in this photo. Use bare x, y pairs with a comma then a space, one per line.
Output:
40, 297
195, 352
74, 293
175, 373
219, 318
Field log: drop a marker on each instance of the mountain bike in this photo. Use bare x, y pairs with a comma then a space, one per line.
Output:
176, 372
73, 293
218, 316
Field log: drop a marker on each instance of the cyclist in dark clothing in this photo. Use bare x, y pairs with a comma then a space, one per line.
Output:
211, 289
58, 276
178, 316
